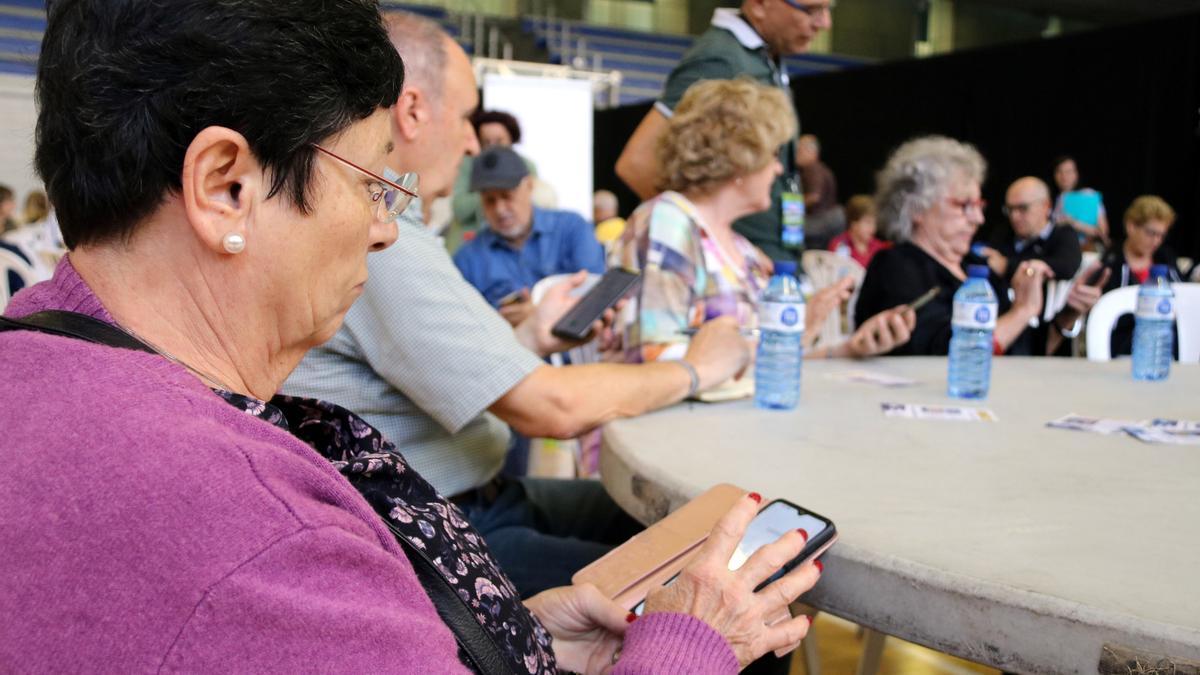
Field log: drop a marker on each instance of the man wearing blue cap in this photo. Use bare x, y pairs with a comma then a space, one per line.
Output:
521, 244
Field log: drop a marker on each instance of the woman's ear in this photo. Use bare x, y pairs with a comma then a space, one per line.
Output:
221, 181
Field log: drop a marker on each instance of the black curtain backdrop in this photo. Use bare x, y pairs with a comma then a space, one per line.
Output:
1125, 102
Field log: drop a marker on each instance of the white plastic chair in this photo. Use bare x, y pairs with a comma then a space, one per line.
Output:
11, 262
824, 268
1116, 303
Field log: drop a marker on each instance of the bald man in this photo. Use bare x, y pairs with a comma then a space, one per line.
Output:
1033, 236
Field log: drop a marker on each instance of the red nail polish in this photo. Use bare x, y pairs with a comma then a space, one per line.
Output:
803, 533
809, 617
631, 618
820, 567
756, 497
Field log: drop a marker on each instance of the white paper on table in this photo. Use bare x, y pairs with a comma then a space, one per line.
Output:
1182, 427
942, 413
1148, 434
872, 377
1098, 425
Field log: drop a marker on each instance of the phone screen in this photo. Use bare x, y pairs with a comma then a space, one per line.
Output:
770, 524
577, 323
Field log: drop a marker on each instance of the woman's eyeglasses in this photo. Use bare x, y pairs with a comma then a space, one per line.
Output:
391, 199
967, 205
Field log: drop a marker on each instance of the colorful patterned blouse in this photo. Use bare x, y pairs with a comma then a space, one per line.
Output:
687, 278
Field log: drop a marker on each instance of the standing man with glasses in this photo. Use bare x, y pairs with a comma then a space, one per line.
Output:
1033, 236
748, 42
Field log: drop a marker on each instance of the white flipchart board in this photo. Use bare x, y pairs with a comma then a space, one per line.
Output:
18, 115
556, 131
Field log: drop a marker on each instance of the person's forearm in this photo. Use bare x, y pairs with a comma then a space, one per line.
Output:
640, 175
565, 402
1010, 326
638, 163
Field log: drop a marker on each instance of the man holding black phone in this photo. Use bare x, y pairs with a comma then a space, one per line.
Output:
425, 359
520, 244
1035, 237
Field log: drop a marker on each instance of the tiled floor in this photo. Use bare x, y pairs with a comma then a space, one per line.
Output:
840, 646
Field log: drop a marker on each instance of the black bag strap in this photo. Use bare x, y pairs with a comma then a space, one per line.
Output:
75, 325
479, 647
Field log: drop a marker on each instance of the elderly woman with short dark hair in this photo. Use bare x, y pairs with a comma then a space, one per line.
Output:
218, 170
928, 200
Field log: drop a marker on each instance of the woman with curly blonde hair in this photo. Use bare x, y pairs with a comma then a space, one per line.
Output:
718, 160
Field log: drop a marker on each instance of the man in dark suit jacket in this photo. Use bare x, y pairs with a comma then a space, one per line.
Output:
1033, 236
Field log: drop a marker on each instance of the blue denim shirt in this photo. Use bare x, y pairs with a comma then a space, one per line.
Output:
560, 242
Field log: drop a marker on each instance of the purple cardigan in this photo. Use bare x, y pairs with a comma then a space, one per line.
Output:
146, 525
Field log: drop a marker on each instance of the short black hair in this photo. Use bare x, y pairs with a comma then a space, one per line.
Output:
509, 122
124, 86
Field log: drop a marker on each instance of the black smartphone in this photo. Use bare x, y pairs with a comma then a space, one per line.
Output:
1094, 277
576, 324
772, 521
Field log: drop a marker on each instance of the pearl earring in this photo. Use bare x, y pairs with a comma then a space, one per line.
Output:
233, 243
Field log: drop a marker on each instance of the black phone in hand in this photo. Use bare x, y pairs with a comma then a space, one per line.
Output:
576, 324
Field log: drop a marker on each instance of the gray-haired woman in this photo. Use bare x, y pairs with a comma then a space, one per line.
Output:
928, 198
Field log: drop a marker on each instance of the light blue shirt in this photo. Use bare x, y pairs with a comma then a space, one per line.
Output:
561, 242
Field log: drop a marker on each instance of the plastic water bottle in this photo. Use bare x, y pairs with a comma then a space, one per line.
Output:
1152, 331
975, 310
781, 329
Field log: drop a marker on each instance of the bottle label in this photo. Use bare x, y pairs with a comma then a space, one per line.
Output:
1150, 307
782, 317
975, 315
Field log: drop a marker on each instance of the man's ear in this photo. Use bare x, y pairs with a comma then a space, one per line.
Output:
753, 8
221, 181
410, 113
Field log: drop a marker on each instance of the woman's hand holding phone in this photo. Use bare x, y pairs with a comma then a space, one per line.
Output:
726, 600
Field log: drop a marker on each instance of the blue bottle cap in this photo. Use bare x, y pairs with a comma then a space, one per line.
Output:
1159, 272
787, 267
977, 271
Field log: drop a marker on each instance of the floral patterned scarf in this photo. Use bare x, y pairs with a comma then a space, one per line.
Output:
418, 513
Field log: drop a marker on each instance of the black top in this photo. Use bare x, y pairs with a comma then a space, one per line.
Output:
1121, 341
901, 275
1059, 249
